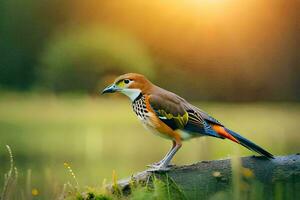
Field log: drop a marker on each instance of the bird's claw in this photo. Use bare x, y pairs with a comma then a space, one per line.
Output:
156, 167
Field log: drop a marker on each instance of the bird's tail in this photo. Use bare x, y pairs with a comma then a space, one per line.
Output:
229, 134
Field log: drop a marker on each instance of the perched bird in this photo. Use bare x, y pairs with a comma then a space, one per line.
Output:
170, 116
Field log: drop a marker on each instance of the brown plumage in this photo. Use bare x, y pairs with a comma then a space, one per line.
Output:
171, 116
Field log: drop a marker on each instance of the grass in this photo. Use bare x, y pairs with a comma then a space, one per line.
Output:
244, 186
159, 188
10, 177
97, 135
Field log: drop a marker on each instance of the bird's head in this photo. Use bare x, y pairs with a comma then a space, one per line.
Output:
131, 84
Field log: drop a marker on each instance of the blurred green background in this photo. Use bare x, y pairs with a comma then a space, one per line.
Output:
238, 60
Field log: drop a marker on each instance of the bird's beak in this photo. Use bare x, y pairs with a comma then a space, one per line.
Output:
110, 89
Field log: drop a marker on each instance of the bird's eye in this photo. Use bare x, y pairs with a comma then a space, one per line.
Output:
126, 81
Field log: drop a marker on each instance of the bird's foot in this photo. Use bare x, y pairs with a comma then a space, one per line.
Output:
159, 167
154, 165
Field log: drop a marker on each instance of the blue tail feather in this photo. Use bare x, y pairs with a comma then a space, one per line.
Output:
250, 145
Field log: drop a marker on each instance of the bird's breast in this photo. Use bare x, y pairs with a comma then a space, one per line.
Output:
140, 109
150, 121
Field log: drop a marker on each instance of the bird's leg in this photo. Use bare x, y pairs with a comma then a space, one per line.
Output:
162, 160
169, 157
165, 162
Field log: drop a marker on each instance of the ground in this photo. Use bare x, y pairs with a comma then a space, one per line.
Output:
97, 135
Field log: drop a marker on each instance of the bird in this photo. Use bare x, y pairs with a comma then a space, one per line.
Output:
172, 117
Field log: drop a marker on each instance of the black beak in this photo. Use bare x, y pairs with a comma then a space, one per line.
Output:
110, 89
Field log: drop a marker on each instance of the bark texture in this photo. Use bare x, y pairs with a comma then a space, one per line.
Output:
277, 178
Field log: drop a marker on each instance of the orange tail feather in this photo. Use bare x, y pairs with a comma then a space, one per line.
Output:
221, 131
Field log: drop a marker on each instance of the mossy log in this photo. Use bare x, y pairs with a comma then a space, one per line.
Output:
277, 178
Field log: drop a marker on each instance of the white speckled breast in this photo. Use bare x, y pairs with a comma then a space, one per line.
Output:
140, 109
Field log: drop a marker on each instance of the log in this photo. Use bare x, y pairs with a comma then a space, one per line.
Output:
256, 177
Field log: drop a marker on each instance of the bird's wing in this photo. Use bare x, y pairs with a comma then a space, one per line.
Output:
205, 116
177, 113
200, 122
170, 111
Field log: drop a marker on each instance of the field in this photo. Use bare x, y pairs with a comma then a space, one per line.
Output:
98, 135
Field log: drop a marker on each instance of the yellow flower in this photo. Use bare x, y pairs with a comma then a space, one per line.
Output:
248, 173
34, 192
